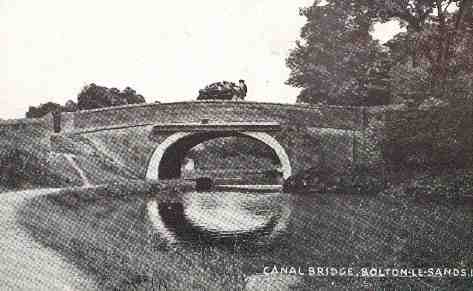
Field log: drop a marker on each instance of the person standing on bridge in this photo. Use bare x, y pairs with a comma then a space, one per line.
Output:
243, 89
56, 120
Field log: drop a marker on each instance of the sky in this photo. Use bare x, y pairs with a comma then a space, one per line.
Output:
165, 50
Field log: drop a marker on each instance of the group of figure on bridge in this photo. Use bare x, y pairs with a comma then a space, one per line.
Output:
224, 91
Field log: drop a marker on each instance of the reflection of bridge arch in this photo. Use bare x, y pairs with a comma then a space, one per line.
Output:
167, 157
198, 217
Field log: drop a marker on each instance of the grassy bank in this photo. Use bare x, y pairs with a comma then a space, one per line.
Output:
443, 184
452, 185
26, 161
36, 159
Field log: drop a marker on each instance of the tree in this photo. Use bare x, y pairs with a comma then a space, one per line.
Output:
43, 109
432, 58
70, 106
90, 97
438, 41
93, 96
131, 97
337, 61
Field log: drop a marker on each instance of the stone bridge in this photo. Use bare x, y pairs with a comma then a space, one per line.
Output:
151, 140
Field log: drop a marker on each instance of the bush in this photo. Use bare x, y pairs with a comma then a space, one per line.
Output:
365, 180
439, 137
453, 185
356, 180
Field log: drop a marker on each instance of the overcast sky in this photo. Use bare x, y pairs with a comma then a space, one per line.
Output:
165, 50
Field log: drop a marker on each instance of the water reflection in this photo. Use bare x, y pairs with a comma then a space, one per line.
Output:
221, 217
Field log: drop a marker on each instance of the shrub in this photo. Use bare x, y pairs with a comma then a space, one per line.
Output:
359, 179
453, 186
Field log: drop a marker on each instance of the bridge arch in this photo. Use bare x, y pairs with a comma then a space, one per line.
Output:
166, 159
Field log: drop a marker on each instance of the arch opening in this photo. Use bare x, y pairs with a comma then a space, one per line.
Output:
167, 159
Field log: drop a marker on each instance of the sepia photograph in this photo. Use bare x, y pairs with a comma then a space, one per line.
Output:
240, 145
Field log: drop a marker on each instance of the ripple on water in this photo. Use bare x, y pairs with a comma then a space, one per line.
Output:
221, 217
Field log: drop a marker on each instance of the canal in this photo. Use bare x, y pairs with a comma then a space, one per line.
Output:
245, 239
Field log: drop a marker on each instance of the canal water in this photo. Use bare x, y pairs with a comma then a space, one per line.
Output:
221, 218
246, 239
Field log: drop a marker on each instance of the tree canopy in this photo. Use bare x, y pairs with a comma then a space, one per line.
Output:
91, 97
337, 62
45, 108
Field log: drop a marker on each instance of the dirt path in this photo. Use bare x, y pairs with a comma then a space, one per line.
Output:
24, 263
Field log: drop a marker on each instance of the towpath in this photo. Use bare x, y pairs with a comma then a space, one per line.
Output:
24, 263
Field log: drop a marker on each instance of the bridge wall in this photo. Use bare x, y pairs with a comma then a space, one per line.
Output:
218, 111
132, 148
312, 136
